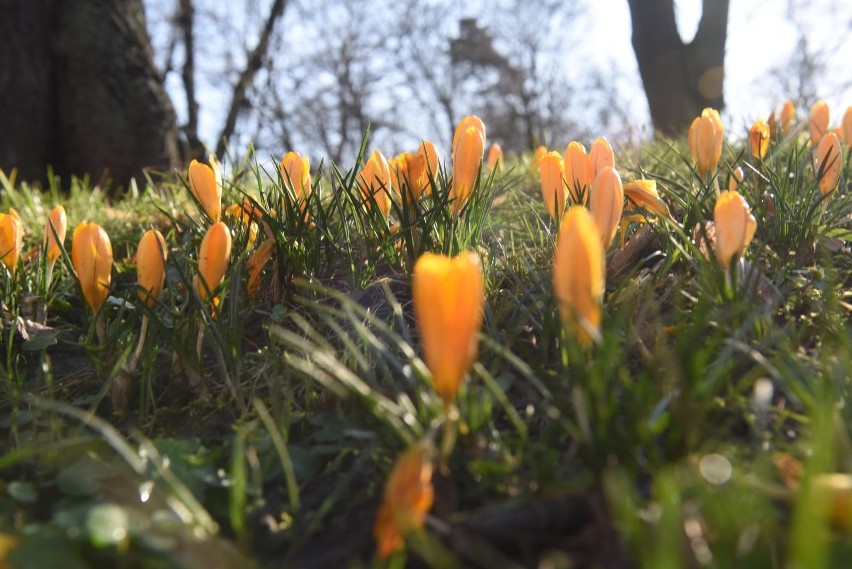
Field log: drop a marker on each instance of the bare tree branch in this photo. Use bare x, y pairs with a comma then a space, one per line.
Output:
253, 65
186, 25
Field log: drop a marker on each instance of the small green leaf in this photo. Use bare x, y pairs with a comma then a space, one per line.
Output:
22, 492
108, 525
40, 342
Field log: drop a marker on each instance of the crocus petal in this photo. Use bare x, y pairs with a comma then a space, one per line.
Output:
448, 304
468, 146
736, 179
788, 113
758, 137
213, 258
846, 126
375, 183
578, 273
407, 498
719, 131
56, 226
552, 184
470, 121
818, 123
578, 172
91, 255
828, 160
735, 227
539, 153
428, 151
601, 156
11, 239
412, 177
207, 192
495, 157
834, 492
643, 193
255, 264
151, 255
296, 174
606, 204
702, 145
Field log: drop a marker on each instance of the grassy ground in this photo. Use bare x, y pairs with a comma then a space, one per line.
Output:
260, 432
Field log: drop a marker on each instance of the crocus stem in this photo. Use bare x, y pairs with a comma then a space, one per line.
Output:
137, 353
100, 328
200, 342
448, 438
728, 279
49, 275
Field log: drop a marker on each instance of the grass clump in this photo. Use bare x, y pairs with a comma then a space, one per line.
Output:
703, 421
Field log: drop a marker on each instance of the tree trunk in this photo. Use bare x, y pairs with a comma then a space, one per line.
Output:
679, 79
27, 107
81, 92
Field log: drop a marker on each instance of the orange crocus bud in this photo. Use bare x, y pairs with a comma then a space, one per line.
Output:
578, 172
213, 258
846, 126
449, 296
788, 113
91, 255
411, 176
600, 156
206, 189
827, 162
151, 265
643, 193
758, 138
428, 150
58, 221
432, 164
607, 203
468, 146
735, 227
393, 166
375, 182
578, 273
407, 499
772, 123
702, 145
470, 121
713, 115
11, 239
834, 492
495, 156
736, 179
553, 184
246, 214
255, 264
296, 175
818, 124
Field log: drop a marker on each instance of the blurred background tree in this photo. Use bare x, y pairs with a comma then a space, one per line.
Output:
80, 90
680, 79
93, 86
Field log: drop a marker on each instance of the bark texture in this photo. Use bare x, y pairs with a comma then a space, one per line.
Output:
680, 79
80, 91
